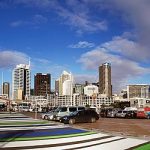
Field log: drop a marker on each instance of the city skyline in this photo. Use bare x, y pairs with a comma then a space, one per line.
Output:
77, 36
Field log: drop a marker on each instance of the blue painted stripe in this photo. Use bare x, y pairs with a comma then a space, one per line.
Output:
39, 133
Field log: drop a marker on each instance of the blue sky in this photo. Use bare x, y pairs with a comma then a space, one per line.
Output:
77, 36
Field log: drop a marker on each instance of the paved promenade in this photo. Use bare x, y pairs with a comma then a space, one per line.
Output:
18, 131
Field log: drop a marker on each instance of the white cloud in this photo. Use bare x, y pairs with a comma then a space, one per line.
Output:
136, 13
127, 48
73, 13
42, 61
35, 20
82, 44
35, 3
80, 20
124, 66
17, 23
9, 58
40, 65
133, 13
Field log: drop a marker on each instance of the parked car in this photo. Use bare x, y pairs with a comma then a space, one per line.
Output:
104, 112
148, 115
131, 114
23, 108
121, 114
143, 113
80, 116
46, 115
63, 111
94, 108
112, 113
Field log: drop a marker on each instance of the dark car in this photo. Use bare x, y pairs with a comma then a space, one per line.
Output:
80, 116
104, 112
131, 114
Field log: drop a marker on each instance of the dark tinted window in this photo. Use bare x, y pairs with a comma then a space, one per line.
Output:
81, 108
72, 109
119, 111
63, 109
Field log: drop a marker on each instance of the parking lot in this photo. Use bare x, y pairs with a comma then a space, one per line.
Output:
126, 127
116, 126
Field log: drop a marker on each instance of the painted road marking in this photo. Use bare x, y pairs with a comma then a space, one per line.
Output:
42, 143
118, 145
43, 136
33, 127
22, 135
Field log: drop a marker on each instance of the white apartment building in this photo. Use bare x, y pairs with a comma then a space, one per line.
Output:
67, 87
21, 81
83, 100
65, 83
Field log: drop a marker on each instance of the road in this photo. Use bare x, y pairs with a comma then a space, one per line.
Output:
127, 127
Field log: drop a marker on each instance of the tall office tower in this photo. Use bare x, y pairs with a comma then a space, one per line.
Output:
6, 88
66, 83
42, 84
105, 86
57, 86
21, 83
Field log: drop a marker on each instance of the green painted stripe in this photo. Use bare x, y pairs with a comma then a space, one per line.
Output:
144, 147
47, 137
24, 123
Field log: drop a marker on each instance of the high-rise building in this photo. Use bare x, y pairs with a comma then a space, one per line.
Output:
6, 88
66, 83
21, 83
42, 84
57, 87
105, 86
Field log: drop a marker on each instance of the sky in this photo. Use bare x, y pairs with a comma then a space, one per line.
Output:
77, 36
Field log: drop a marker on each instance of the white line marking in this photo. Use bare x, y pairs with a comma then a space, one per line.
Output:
50, 141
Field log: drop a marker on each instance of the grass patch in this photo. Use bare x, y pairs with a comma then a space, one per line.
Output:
22, 123
144, 147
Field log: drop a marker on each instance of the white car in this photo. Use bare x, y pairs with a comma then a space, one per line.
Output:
45, 115
121, 114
